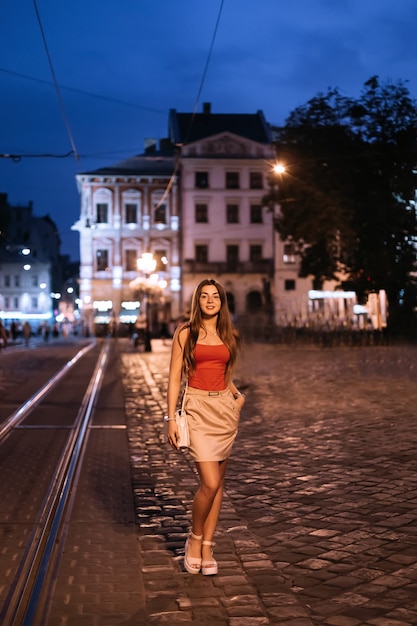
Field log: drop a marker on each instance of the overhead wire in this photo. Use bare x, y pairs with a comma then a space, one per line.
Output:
83, 92
203, 78
60, 100
16, 158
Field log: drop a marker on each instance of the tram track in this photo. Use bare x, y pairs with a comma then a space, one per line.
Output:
19, 415
31, 583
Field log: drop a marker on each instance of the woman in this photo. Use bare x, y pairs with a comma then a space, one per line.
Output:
205, 350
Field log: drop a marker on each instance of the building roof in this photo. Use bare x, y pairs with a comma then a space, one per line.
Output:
154, 162
185, 128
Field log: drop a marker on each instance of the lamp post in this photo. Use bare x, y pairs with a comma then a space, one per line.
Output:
274, 176
147, 264
146, 285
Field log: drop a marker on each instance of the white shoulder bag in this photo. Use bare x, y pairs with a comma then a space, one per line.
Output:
182, 424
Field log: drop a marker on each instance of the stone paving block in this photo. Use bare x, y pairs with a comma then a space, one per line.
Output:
387, 622
404, 614
245, 611
340, 620
171, 618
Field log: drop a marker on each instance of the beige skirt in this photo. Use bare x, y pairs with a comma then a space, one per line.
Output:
213, 418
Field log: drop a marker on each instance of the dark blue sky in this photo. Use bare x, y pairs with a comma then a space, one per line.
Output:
122, 64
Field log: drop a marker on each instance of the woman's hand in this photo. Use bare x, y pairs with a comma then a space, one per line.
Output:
240, 401
238, 397
173, 437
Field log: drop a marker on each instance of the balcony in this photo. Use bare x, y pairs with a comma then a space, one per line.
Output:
217, 268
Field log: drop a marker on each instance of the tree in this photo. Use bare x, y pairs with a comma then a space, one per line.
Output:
348, 195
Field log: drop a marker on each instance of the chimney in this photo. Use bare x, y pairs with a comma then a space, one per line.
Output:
206, 108
151, 145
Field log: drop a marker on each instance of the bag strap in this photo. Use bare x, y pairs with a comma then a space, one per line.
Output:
183, 397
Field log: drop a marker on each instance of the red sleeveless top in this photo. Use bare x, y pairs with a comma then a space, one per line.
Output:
210, 367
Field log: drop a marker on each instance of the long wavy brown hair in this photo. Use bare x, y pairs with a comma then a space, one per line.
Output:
224, 327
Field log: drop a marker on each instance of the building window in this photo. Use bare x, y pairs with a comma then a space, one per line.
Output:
161, 259
201, 180
201, 213
232, 257
256, 216
102, 210
160, 214
256, 180
34, 281
16, 302
34, 303
289, 284
131, 213
7, 280
255, 253
102, 260
17, 281
289, 253
253, 302
201, 253
232, 180
7, 302
131, 257
232, 214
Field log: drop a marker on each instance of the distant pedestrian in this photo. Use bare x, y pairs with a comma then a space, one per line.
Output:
140, 330
205, 350
3, 336
27, 332
13, 330
46, 331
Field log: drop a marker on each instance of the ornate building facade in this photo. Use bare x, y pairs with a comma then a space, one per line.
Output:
129, 209
226, 232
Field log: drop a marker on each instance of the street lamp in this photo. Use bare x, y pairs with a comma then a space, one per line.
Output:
146, 264
147, 285
275, 174
278, 168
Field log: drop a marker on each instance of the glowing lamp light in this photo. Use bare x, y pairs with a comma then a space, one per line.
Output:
279, 168
146, 263
27, 266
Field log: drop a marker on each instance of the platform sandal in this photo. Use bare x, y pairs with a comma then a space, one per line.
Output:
191, 563
209, 568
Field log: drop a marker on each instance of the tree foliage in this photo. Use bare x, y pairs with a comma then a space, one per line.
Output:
348, 194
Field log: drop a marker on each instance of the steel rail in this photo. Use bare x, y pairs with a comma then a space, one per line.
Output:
27, 595
21, 413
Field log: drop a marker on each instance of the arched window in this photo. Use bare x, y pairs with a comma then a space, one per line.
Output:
103, 205
132, 206
230, 302
160, 209
253, 302
160, 214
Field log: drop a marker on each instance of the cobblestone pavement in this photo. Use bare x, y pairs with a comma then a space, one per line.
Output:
319, 523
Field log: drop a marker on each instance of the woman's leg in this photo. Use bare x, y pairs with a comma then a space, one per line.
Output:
207, 502
213, 516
